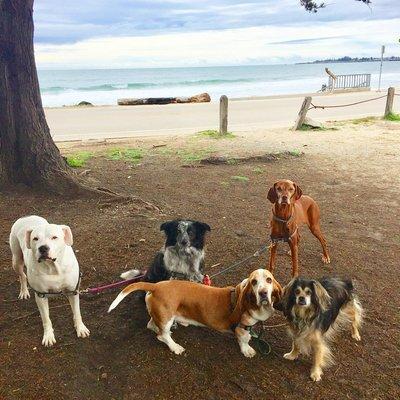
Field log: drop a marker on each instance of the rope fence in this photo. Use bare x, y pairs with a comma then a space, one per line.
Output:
346, 105
309, 105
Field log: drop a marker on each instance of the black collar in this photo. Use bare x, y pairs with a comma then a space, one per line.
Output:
65, 293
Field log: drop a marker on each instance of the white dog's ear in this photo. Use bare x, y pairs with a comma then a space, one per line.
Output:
28, 238
68, 239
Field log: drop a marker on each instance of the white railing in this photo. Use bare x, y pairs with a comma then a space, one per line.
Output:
352, 81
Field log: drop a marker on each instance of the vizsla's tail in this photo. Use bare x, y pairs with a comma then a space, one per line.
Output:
148, 287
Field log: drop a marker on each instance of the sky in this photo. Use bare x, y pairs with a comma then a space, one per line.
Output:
181, 33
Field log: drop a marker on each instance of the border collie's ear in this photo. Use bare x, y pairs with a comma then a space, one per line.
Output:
322, 295
272, 196
165, 226
298, 193
203, 226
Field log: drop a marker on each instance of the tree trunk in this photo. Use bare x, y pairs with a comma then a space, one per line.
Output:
28, 154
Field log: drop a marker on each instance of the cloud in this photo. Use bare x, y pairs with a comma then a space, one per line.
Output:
75, 20
253, 45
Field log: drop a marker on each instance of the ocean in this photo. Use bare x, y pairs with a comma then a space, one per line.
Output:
105, 86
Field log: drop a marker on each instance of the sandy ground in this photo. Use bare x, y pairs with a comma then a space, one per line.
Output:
351, 169
72, 123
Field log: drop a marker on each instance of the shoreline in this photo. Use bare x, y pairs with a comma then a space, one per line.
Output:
274, 96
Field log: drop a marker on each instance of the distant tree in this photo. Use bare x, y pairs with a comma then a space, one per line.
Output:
314, 6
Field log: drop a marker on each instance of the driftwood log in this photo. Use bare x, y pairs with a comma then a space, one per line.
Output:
199, 98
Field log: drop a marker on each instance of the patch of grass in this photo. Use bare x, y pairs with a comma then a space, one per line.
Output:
131, 155
226, 184
365, 120
258, 170
193, 155
306, 127
240, 178
393, 117
232, 161
295, 153
214, 134
78, 160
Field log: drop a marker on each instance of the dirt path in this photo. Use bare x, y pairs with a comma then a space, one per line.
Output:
352, 172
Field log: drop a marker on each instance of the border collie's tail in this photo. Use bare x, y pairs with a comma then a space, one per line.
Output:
132, 273
148, 287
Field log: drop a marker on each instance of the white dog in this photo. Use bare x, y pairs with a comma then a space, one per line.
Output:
52, 268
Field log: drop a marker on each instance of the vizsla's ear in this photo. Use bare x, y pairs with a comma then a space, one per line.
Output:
298, 193
68, 238
272, 196
28, 238
277, 291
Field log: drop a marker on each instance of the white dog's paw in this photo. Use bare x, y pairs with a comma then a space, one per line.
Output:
24, 294
48, 338
316, 375
356, 336
290, 356
82, 331
177, 349
248, 352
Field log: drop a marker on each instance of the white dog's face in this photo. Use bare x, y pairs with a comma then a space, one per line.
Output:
262, 284
48, 242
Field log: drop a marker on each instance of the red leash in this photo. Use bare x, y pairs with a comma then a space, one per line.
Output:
99, 289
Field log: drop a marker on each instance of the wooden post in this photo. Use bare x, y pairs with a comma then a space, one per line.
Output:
223, 115
389, 102
302, 113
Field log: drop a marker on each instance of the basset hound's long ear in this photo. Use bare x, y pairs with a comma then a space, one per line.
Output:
244, 297
277, 291
322, 296
272, 195
28, 238
298, 192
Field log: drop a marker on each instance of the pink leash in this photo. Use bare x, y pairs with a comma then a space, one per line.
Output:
99, 289
112, 285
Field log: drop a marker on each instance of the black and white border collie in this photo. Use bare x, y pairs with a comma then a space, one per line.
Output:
182, 256
316, 310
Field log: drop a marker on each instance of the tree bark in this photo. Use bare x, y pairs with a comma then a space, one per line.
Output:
28, 153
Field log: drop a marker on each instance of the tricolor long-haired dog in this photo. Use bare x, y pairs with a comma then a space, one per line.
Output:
290, 210
182, 256
315, 310
223, 309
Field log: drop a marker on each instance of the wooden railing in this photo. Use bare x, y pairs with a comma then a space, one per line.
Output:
349, 81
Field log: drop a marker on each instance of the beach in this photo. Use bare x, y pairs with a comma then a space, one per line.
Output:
257, 113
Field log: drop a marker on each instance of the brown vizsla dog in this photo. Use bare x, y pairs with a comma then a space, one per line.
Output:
290, 210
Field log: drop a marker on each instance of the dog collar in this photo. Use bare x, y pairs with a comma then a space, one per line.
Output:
62, 293
281, 220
